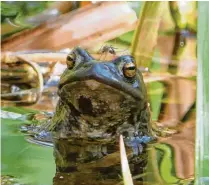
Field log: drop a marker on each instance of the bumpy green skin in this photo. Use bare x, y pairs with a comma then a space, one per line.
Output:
97, 103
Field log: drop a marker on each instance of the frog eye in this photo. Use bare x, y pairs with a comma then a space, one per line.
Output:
71, 59
129, 70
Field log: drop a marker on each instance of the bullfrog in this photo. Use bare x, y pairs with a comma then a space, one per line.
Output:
98, 102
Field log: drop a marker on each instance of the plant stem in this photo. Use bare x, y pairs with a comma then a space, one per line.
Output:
146, 33
202, 125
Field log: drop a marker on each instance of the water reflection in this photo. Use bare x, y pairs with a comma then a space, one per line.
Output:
89, 163
178, 100
168, 161
171, 160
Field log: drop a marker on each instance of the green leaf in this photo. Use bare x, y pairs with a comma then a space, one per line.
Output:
146, 33
202, 123
19, 110
9, 10
127, 37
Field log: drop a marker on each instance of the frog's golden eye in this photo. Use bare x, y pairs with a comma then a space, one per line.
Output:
129, 70
71, 59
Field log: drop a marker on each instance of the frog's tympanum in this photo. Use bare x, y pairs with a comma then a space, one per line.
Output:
98, 102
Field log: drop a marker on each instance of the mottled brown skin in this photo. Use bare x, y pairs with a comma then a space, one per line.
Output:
97, 103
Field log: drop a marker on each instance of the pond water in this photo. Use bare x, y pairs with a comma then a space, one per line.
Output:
168, 161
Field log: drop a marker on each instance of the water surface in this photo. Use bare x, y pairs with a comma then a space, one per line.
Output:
169, 161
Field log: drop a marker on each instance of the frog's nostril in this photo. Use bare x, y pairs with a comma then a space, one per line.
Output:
85, 105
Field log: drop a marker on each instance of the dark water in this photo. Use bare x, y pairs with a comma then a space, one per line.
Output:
170, 160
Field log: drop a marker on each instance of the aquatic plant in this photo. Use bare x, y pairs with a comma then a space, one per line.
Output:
202, 122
